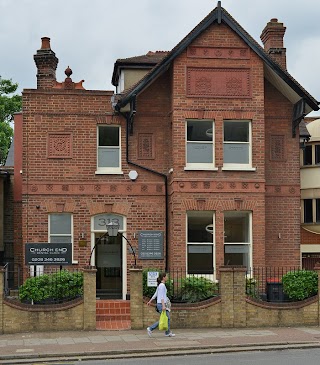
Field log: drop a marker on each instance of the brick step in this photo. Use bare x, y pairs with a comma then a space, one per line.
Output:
113, 314
113, 317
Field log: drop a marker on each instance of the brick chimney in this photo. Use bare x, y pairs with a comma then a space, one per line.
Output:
46, 62
272, 39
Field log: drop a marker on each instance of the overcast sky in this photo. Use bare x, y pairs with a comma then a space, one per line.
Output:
89, 35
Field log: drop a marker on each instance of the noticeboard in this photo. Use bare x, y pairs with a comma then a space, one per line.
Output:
48, 254
150, 245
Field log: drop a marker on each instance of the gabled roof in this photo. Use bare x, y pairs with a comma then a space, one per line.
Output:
273, 71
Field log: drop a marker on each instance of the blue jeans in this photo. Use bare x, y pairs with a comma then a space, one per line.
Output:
156, 324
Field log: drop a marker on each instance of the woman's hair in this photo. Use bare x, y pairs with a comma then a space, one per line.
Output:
160, 277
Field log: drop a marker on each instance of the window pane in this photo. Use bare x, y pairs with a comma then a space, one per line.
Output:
60, 224
307, 155
199, 152
197, 223
108, 136
199, 131
108, 157
236, 227
236, 153
236, 131
308, 211
236, 255
318, 210
60, 239
200, 259
317, 152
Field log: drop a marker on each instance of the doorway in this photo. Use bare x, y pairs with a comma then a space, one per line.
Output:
108, 262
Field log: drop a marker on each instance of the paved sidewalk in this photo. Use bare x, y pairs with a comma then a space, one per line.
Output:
54, 346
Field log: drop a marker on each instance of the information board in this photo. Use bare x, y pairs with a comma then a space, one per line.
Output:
48, 254
150, 245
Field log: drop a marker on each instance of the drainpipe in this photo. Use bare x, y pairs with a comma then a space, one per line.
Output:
129, 119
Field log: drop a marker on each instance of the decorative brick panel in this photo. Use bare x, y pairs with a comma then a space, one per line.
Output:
60, 145
218, 82
277, 148
145, 146
219, 52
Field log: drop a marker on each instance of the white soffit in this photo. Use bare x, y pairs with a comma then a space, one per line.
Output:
283, 87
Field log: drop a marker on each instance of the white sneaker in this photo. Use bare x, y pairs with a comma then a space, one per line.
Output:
169, 334
149, 332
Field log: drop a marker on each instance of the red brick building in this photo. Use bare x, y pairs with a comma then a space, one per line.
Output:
196, 157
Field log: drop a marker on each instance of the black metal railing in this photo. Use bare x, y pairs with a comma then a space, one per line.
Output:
266, 283
189, 288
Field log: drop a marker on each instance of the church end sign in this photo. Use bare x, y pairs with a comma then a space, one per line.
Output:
48, 254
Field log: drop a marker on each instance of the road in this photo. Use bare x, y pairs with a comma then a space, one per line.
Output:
281, 357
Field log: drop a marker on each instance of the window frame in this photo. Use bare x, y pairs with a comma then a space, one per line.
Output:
211, 243
315, 211
250, 235
239, 166
315, 155
62, 234
105, 169
200, 165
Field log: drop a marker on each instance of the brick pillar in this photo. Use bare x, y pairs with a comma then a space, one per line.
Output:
239, 297
89, 299
232, 292
136, 299
1, 298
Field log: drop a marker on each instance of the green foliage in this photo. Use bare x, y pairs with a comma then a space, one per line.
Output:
8, 106
252, 287
195, 289
60, 286
299, 285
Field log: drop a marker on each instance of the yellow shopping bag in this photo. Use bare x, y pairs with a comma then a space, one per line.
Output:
163, 322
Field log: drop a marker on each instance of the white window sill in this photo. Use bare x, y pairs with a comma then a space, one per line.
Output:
238, 168
75, 262
199, 168
108, 172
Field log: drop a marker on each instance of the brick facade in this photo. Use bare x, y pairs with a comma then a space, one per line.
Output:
217, 77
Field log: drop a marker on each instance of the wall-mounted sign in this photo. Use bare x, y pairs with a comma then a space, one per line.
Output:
152, 278
48, 254
150, 245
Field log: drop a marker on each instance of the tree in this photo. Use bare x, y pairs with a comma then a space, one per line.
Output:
9, 104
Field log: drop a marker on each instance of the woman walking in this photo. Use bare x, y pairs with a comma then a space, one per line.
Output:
163, 304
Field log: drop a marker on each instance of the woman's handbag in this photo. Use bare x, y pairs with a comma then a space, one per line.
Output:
163, 322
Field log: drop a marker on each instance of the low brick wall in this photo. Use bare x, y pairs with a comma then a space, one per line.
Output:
206, 314
20, 317
232, 309
79, 314
304, 313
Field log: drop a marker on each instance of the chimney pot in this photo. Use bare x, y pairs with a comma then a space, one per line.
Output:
45, 43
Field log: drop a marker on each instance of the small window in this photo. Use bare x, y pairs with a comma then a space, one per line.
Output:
60, 228
109, 154
308, 211
236, 144
200, 146
317, 154
307, 156
318, 210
